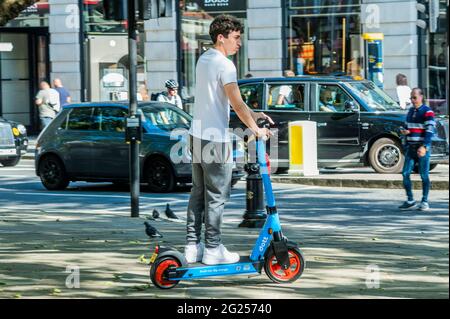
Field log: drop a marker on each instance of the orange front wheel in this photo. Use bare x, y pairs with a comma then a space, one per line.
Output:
279, 275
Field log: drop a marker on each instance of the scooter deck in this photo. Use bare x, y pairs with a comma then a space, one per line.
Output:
198, 270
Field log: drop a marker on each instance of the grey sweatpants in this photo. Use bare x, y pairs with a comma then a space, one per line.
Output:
212, 168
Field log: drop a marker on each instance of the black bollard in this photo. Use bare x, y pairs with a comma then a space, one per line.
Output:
255, 215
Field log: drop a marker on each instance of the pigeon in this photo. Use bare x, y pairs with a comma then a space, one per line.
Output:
151, 231
169, 213
155, 214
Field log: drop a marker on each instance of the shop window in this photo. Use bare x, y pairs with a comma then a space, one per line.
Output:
196, 17
331, 99
438, 60
325, 38
94, 21
252, 95
286, 97
35, 15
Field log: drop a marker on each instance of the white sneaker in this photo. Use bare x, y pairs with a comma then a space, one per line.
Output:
424, 206
219, 255
194, 253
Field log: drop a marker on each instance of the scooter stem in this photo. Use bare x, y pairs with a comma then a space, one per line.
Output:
265, 174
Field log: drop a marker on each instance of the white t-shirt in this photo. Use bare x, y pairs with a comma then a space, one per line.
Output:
211, 114
175, 100
404, 96
50, 103
286, 91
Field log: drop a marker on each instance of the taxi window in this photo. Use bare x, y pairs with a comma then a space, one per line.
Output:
331, 98
286, 97
252, 94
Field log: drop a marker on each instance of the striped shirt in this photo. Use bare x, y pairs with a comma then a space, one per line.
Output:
420, 122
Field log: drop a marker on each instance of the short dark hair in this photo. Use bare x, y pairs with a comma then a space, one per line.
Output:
224, 24
419, 91
401, 79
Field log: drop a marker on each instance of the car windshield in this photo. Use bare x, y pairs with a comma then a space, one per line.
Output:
375, 98
166, 118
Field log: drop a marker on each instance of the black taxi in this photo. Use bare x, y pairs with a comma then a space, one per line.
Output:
13, 142
358, 124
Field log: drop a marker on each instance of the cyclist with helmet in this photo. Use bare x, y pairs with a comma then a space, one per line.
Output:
171, 96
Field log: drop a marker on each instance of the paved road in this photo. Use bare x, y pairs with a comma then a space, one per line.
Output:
341, 231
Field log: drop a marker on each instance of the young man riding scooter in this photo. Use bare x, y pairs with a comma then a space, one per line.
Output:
211, 147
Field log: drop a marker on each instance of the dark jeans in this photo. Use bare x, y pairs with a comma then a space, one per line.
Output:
411, 159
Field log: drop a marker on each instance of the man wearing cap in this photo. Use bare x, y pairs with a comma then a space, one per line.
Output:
171, 96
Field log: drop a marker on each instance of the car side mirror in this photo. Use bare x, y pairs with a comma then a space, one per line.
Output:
350, 106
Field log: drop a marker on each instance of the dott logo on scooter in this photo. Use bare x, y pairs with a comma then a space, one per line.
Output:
263, 244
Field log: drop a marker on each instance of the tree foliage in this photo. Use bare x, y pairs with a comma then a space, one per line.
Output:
10, 9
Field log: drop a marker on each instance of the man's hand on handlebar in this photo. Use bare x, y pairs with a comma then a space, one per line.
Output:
264, 133
262, 116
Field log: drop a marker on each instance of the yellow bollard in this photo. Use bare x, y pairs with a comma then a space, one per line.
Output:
303, 148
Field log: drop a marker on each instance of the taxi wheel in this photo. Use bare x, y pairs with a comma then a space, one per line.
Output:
386, 156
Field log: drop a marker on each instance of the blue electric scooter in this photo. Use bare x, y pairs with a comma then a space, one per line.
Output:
282, 260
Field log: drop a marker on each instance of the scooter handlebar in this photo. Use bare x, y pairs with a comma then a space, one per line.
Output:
263, 123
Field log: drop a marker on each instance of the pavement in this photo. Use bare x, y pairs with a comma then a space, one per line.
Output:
357, 244
344, 177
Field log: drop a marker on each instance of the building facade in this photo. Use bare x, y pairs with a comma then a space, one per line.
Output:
69, 39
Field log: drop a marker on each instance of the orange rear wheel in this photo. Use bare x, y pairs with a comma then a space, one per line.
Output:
159, 270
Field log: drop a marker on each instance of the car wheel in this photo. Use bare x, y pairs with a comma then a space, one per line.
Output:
386, 156
160, 176
10, 162
53, 173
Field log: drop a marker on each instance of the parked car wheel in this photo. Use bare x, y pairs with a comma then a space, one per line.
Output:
10, 162
386, 157
53, 173
160, 176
